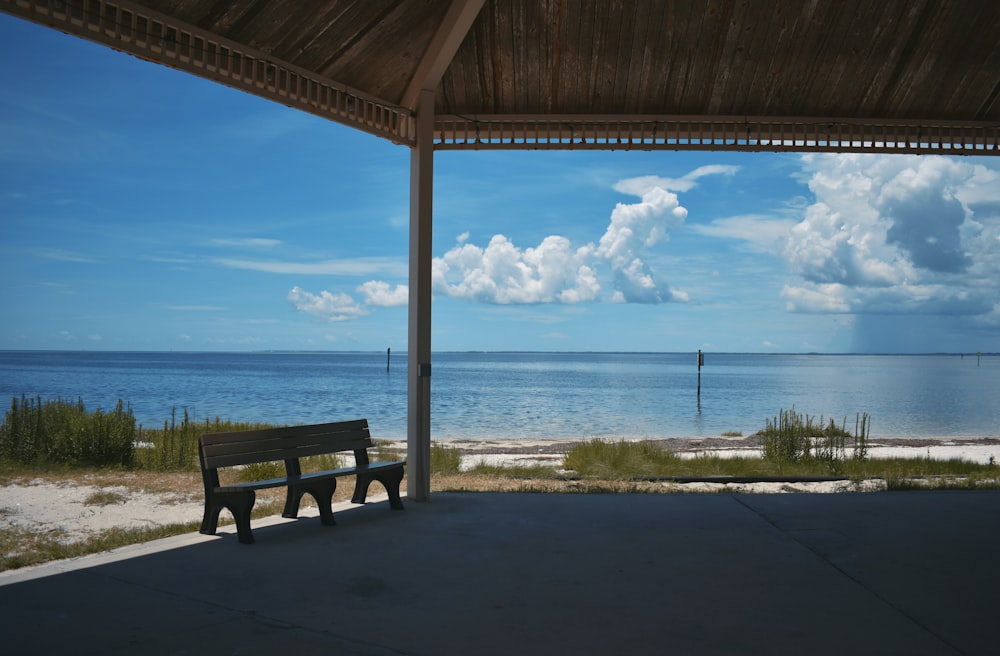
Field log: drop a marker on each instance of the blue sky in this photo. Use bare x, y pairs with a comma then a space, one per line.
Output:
146, 209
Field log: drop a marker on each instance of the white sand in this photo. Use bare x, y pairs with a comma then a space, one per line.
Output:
68, 513
978, 453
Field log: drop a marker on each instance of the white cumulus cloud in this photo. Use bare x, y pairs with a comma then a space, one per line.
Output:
503, 273
382, 294
634, 228
332, 307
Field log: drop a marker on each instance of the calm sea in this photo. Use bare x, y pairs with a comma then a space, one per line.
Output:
527, 395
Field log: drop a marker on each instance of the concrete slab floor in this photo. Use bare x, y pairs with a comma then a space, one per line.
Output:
471, 573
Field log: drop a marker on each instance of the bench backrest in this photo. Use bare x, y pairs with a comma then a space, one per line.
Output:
286, 443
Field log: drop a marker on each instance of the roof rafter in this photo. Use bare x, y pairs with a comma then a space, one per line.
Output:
442, 49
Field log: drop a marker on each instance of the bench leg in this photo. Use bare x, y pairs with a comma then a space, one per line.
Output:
322, 491
240, 504
241, 511
390, 480
210, 520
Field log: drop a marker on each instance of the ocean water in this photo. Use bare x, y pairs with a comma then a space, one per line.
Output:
529, 395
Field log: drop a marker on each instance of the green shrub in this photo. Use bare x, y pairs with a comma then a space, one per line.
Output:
63, 433
60, 433
792, 437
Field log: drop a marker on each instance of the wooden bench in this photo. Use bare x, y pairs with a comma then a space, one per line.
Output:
234, 449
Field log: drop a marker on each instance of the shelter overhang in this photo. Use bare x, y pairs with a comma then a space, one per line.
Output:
776, 75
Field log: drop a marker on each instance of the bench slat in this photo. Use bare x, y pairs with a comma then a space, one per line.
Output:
271, 455
332, 428
337, 442
279, 443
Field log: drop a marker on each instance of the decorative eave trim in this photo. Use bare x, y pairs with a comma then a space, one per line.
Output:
733, 133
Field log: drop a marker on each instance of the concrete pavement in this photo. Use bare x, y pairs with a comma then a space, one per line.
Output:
477, 573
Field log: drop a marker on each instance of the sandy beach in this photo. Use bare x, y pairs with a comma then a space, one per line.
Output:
550, 452
75, 509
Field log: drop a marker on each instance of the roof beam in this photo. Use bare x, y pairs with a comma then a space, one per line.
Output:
447, 39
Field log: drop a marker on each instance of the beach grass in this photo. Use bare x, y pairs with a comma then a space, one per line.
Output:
513, 471
619, 459
174, 447
636, 460
792, 437
53, 435
445, 459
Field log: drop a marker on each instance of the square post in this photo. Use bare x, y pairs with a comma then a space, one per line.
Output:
418, 376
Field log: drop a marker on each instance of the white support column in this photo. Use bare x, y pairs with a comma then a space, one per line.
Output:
418, 430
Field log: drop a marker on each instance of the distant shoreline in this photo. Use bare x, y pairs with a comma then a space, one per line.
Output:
401, 353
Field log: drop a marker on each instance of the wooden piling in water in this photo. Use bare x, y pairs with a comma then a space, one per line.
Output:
701, 361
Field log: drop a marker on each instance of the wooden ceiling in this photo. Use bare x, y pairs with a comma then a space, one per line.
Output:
842, 75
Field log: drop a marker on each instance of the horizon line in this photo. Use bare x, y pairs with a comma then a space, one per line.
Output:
496, 351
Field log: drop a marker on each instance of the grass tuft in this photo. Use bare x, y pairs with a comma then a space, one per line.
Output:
105, 498
445, 459
617, 460
512, 471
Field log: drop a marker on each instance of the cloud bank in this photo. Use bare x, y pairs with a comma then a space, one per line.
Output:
885, 242
896, 235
